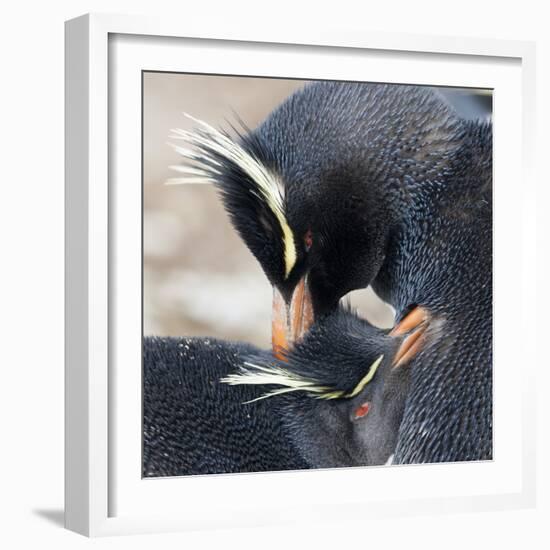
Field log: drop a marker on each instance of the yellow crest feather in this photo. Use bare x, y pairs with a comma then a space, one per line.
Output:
269, 184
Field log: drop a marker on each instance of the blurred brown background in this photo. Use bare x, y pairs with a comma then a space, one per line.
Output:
199, 277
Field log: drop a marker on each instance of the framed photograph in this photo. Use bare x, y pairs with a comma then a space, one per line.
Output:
295, 276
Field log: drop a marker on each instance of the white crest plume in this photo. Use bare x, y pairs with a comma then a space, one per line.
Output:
253, 374
209, 143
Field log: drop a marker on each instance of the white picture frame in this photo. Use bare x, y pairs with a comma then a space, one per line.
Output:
104, 491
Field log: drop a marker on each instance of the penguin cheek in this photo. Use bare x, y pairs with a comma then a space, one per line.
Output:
362, 410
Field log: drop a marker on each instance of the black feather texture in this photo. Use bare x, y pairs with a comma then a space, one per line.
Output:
242, 171
193, 424
336, 354
249, 212
339, 351
396, 190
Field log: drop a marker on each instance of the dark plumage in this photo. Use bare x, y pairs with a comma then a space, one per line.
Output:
195, 424
383, 185
362, 430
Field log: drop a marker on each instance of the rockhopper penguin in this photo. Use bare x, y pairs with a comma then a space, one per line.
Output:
193, 424
218, 407
347, 185
341, 391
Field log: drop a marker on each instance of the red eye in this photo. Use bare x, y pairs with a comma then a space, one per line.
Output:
308, 240
362, 410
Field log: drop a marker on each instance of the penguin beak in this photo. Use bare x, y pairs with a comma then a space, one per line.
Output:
290, 319
412, 326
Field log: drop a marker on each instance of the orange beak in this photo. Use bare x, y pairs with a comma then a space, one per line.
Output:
290, 321
414, 326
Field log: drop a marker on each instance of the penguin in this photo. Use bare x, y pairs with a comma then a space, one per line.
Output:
193, 424
212, 406
341, 391
346, 185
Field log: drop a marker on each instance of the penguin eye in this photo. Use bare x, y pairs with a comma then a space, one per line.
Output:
308, 240
362, 410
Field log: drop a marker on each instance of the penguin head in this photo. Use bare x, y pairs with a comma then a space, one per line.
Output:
340, 394
314, 239
315, 192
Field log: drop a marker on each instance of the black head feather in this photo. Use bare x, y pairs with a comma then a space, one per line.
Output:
343, 365
339, 350
233, 166
346, 161
396, 189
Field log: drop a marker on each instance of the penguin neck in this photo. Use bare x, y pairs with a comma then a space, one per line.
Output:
371, 169
441, 240
407, 209
398, 200
364, 208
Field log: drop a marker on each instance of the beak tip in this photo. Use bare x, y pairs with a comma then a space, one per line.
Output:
413, 325
291, 320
